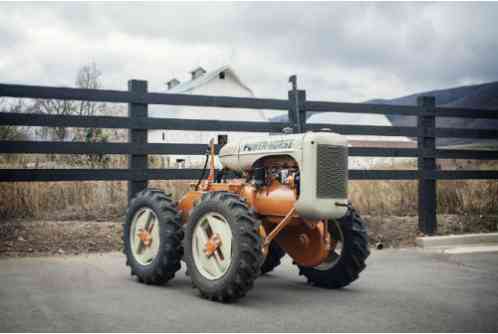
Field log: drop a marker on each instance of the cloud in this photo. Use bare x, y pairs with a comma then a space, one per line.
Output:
340, 51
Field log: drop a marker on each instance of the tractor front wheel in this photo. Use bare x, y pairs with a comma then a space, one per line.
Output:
222, 247
347, 258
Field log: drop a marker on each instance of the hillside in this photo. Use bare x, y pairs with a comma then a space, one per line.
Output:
482, 96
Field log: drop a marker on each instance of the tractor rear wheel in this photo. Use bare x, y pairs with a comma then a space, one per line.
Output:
152, 236
272, 260
346, 259
223, 247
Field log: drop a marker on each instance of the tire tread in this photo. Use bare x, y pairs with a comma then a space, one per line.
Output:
250, 249
352, 261
171, 235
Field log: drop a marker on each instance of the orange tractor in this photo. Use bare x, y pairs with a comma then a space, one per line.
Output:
290, 198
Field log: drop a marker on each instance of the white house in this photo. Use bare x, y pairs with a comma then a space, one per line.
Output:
220, 82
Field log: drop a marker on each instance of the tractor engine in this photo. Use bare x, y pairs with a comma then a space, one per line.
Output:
307, 171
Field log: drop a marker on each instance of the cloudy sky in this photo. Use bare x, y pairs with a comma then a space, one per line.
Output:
341, 52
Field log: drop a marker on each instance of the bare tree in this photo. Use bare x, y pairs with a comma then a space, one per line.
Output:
54, 107
12, 132
89, 77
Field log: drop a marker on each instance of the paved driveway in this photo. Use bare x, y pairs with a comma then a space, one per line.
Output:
401, 290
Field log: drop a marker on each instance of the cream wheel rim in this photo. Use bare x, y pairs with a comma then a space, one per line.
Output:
336, 252
144, 236
212, 226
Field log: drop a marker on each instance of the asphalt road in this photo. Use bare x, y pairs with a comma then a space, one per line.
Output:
401, 290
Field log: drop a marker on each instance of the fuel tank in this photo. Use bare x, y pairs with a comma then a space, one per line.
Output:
275, 200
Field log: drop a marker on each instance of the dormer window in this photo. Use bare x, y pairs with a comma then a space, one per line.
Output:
199, 71
222, 75
172, 83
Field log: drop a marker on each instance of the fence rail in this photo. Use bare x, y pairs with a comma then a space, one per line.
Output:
403, 110
138, 98
49, 147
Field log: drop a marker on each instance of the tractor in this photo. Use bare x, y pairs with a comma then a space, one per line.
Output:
275, 195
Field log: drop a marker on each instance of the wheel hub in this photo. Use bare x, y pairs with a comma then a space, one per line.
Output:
144, 236
212, 246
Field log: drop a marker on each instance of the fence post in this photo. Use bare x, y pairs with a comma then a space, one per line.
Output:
297, 111
426, 143
137, 136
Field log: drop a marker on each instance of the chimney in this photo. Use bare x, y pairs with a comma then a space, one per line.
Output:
172, 83
199, 71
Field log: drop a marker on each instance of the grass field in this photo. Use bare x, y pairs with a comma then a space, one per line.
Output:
107, 200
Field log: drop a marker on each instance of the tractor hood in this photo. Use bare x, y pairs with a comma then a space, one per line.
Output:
242, 154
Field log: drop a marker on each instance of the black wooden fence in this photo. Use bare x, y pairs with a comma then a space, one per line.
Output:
138, 122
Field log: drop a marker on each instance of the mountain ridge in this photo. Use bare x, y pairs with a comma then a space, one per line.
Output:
478, 96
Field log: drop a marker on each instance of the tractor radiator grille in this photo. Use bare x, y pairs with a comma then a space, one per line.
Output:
332, 173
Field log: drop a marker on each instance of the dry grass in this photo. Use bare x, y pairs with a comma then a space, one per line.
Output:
62, 200
399, 198
91, 200
107, 200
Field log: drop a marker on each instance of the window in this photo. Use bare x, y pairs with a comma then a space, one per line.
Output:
180, 163
222, 75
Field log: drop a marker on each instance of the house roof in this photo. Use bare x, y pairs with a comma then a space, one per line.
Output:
188, 86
